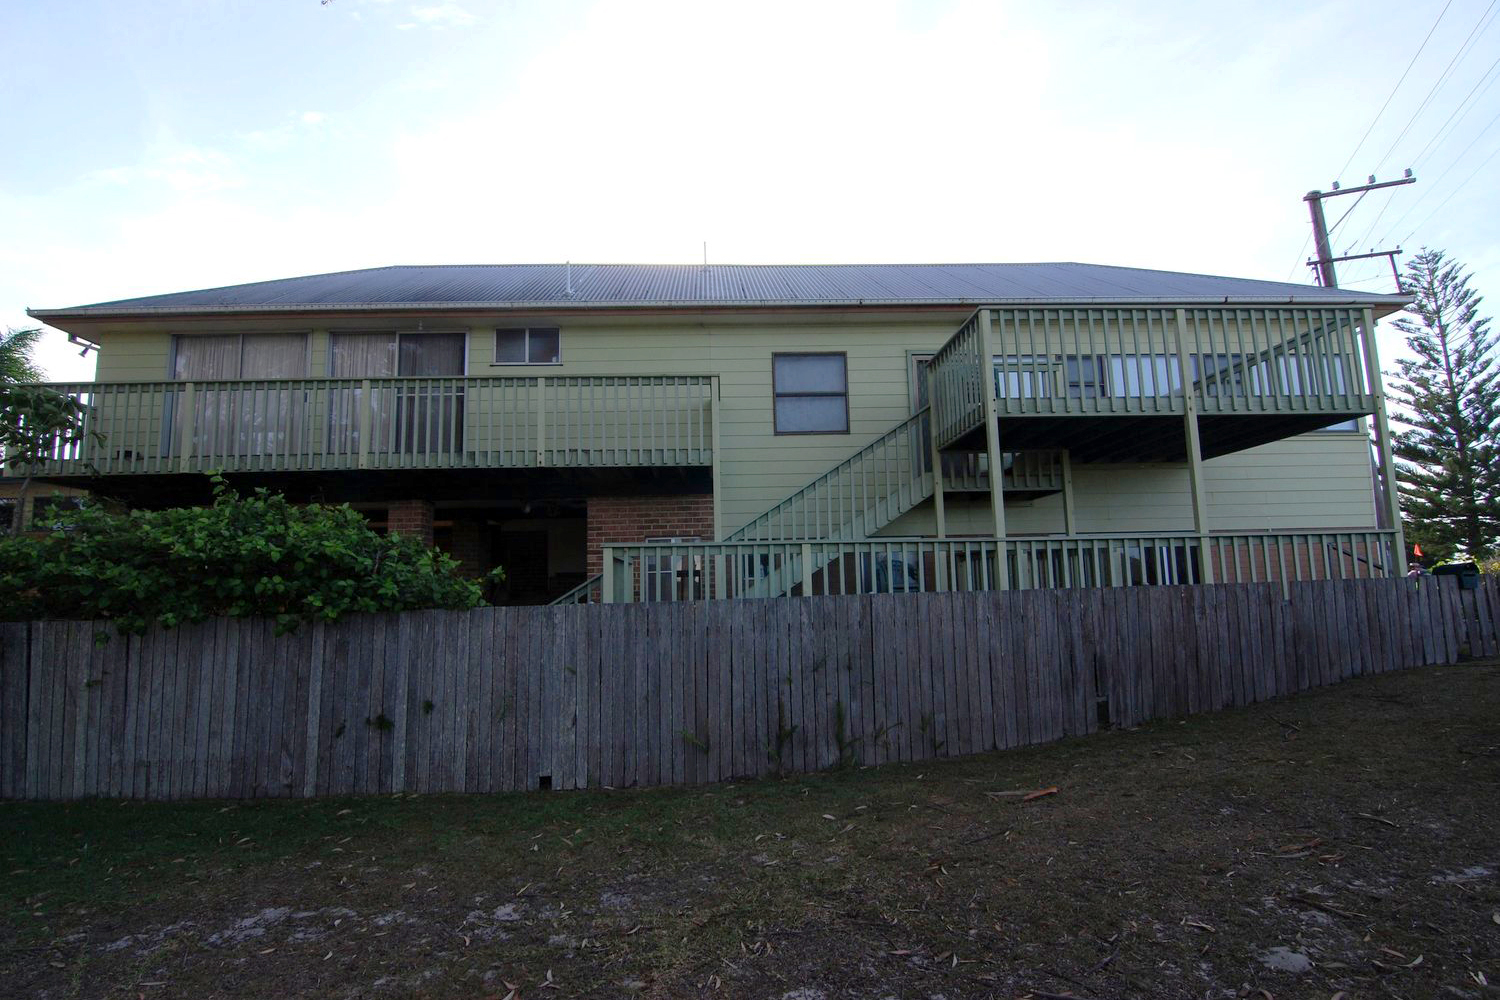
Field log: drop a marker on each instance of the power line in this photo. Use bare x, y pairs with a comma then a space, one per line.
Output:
1374, 121
1458, 57
1489, 75
1435, 211
1436, 185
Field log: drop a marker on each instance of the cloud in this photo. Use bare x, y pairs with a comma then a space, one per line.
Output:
443, 15
313, 117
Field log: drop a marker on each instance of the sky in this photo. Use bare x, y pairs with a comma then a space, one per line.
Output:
178, 144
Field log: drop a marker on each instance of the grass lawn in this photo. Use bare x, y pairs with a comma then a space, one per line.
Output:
1345, 840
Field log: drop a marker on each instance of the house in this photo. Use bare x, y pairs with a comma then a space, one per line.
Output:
633, 432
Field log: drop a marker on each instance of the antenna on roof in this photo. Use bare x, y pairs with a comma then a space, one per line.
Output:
705, 255
569, 292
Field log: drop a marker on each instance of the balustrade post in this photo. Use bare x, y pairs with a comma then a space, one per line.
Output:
607, 578
807, 569
541, 421
189, 425
367, 403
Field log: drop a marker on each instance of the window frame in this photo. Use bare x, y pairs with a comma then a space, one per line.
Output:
777, 394
526, 331
397, 333
307, 356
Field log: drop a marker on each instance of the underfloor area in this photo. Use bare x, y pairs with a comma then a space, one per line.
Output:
1339, 843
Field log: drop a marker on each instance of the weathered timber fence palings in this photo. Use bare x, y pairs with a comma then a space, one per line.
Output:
683, 692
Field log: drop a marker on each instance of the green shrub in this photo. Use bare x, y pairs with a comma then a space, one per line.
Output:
240, 556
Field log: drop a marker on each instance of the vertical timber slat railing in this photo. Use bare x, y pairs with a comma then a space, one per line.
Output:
501, 699
1101, 361
292, 425
857, 497
695, 571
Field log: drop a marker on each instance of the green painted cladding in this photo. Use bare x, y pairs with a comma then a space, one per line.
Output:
1310, 481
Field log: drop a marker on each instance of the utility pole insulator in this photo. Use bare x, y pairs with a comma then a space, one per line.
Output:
1327, 276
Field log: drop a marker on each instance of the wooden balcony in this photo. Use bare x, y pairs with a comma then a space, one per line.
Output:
1114, 384
390, 424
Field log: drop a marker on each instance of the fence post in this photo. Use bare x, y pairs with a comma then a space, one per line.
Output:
189, 426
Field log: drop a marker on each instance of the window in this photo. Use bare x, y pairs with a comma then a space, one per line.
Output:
811, 393
1137, 376
1023, 377
8, 514
528, 345
1085, 376
422, 415
229, 357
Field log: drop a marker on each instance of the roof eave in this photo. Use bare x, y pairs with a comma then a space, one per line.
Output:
1384, 304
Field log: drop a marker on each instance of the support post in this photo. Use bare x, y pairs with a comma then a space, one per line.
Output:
937, 459
1386, 455
367, 404
541, 422
607, 577
189, 427
1200, 495
1070, 515
715, 470
991, 424
1194, 454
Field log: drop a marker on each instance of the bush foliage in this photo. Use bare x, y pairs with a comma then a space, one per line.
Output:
255, 555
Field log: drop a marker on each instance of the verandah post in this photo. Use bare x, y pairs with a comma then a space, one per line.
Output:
937, 457
715, 471
1194, 454
189, 426
1383, 447
991, 425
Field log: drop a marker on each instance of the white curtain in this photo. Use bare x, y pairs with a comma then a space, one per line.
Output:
362, 355
234, 420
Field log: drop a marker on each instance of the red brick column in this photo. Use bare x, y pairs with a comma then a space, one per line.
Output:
635, 519
410, 517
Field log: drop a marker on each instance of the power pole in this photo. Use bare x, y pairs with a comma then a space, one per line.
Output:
1325, 260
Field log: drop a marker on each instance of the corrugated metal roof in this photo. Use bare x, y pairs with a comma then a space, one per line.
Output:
721, 285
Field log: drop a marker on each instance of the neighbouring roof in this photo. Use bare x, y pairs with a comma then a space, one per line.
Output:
519, 286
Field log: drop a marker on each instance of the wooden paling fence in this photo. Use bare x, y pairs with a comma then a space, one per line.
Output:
683, 692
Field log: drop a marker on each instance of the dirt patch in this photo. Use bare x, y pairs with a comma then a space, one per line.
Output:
1341, 841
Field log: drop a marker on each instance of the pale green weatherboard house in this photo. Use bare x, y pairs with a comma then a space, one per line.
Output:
635, 432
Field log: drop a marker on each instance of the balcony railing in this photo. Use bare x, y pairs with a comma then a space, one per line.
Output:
1071, 362
389, 423
710, 571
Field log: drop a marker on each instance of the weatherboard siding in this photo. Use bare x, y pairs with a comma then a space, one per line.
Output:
1307, 482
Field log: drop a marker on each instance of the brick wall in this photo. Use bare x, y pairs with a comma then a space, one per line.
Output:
635, 519
410, 517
